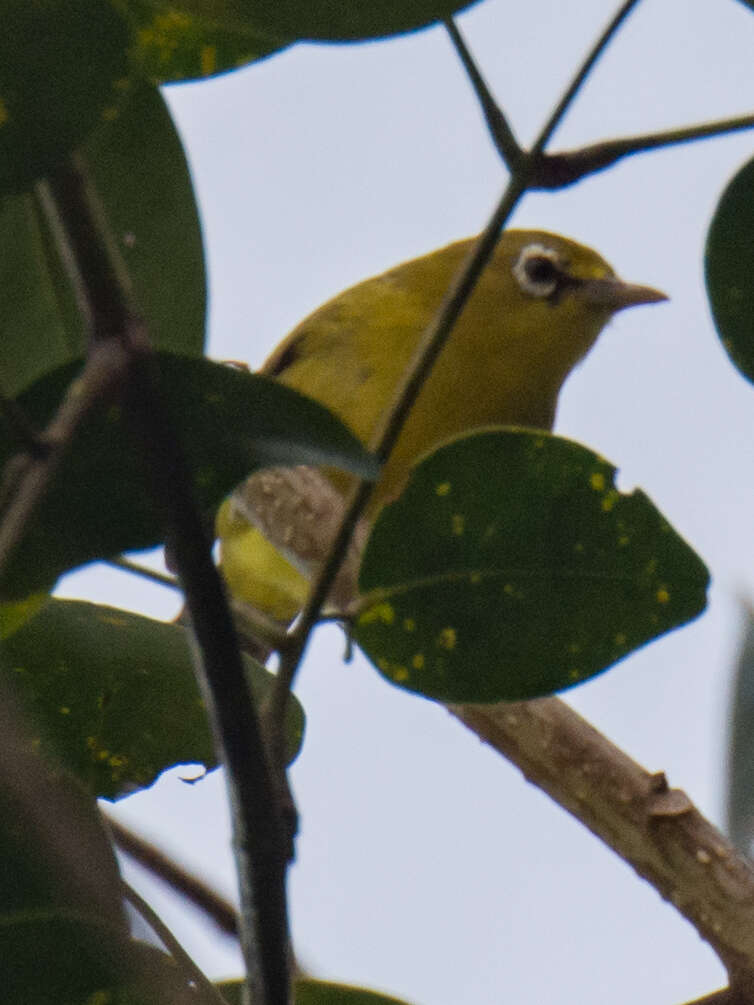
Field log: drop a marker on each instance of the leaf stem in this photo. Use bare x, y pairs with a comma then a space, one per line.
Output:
153, 575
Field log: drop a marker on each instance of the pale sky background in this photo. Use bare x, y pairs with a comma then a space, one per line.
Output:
426, 865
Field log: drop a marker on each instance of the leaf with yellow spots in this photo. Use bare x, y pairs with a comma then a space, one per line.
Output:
112, 694
229, 421
171, 44
555, 577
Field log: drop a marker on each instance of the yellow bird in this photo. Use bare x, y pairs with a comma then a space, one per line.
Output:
536, 311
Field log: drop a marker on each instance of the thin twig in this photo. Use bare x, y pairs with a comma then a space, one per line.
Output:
502, 135
566, 167
262, 848
103, 371
558, 170
209, 993
429, 348
581, 75
47, 208
162, 578
188, 885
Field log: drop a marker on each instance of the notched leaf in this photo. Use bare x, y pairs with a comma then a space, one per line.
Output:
512, 567
113, 696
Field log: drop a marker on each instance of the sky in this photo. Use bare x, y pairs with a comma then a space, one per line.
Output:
426, 866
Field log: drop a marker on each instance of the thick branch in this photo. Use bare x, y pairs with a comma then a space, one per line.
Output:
654, 828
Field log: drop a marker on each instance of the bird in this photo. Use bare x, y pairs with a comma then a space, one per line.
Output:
538, 308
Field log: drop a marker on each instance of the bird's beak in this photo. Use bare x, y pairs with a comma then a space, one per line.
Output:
614, 294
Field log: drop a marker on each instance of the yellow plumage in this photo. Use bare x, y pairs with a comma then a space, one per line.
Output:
537, 310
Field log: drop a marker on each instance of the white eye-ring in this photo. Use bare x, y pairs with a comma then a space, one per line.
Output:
538, 270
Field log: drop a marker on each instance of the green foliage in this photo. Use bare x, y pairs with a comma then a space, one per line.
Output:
512, 567
138, 165
112, 695
139, 169
331, 20
230, 423
309, 992
63, 69
729, 268
59, 885
740, 794
171, 43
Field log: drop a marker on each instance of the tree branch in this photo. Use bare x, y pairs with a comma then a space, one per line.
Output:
560, 169
166, 869
652, 827
262, 847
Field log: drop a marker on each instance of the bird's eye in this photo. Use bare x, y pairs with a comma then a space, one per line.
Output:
538, 271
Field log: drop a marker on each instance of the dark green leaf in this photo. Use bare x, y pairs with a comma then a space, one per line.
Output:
729, 269
63, 67
112, 694
310, 992
62, 923
511, 567
171, 44
61, 959
740, 809
39, 326
137, 163
332, 20
58, 957
142, 177
230, 423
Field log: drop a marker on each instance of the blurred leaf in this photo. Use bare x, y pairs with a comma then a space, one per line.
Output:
740, 794
511, 567
62, 70
171, 44
141, 174
302, 19
729, 269
229, 421
58, 957
14, 615
39, 326
311, 992
62, 923
137, 163
113, 695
